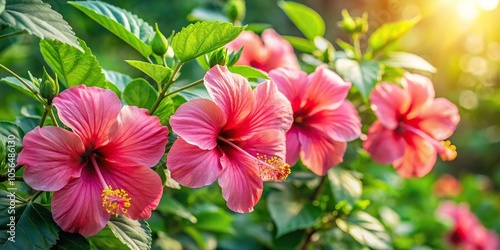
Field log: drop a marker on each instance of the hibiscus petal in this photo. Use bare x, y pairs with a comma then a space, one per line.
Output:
421, 92
78, 206
192, 166
231, 92
326, 90
280, 51
240, 181
142, 184
320, 153
419, 158
89, 112
270, 143
438, 119
253, 48
292, 83
199, 122
271, 110
136, 138
342, 124
292, 145
52, 157
384, 145
389, 102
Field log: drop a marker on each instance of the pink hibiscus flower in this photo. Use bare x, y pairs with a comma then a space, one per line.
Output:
269, 53
238, 138
100, 169
323, 120
411, 126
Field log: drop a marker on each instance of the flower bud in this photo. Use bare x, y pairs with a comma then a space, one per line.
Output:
347, 23
48, 87
235, 10
218, 57
159, 44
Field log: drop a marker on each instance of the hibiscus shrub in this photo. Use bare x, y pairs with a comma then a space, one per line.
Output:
298, 148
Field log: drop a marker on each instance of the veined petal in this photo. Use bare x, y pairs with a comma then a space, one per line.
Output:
421, 92
191, 166
326, 90
280, 51
292, 145
142, 184
320, 153
52, 157
342, 124
384, 145
136, 138
89, 112
240, 181
419, 158
231, 92
271, 110
78, 206
438, 119
269, 142
292, 83
199, 122
389, 102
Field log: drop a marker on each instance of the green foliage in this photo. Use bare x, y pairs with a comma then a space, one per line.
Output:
158, 73
365, 229
165, 109
136, 234
10, 129
248, 72
345, 185
203, 37
37, 18
301, 44
15, 83
140, 93
169, 205
122, 23
213, 219
71, 241
363, 75
388, 34
308, 21
117, 79
408, 61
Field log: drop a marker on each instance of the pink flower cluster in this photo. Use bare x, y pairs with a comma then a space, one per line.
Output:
467, 232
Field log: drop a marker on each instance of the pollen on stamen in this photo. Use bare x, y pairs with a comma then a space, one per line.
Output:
273, 168
448, 151
115, 201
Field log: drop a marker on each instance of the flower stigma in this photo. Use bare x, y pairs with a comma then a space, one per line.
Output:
273, 169
115, 201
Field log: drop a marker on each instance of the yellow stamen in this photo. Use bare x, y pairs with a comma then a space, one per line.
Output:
115, 201
273, 169
298, 119
448, 152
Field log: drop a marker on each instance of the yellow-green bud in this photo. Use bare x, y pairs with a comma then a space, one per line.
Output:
347, 23
218, 57
235, 10
159, 44
48, 87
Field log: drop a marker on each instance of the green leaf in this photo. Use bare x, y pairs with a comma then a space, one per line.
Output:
140, 93
308, 21
158, 73
11, 132
133, 233
105, 239
366, 230
207, 13
363, 75
169, 205
71, 241
72, 66
37, 18
165, 110
345, 185
120, 22
289, 213
118, 79
15, 83
203, 37
389, 33
407, 61
34, 226
301, 44
213, 219
258, 27
248, 72
2, 5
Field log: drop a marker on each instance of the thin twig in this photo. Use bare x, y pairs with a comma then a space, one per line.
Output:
185, 87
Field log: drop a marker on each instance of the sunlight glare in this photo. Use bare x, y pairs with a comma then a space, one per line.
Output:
487, 5
467, 10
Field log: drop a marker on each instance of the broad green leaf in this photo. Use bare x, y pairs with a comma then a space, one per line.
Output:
389, 33
133, 233
72, 66
248, 72
158, 73
37, 18
407, 61
34, 226
308, 21
28, 123
140, 93
105, 239
15, 83
301, 44
207, 13
213, 219
11, 132
169, 205
258, 27
363, 75
345, 185
203, 37
120, 22
289, 213
366, 230
348, 48
2, 5
165, 242
71, 241
118, 79
165, 110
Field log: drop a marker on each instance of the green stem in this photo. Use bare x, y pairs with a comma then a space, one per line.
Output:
15, 33
319, 188
34, 196
307, 239
52, 117
44, 115
357, 47
185, 87
167, 85
37, 95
